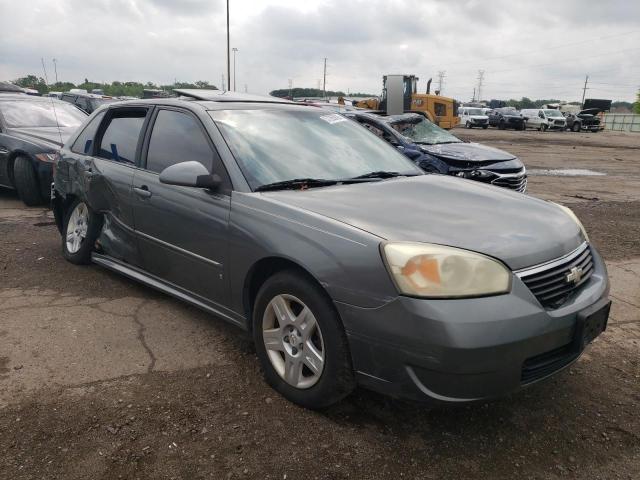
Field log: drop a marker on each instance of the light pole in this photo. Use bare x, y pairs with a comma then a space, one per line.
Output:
55, 68
228, 59
234, 67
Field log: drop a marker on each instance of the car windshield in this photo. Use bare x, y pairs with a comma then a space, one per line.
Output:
22, 113
553, 113
420, 130
474, 111
276, 145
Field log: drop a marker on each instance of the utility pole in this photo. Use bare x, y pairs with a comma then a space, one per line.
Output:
584, 90
441, 75
473, 99
234, 67
324, 80
480, 80
291, 89
55, 68
222, 84
228, 56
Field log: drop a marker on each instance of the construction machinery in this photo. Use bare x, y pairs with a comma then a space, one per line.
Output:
400, 94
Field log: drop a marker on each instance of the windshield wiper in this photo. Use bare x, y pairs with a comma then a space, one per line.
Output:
296, 183
377, 174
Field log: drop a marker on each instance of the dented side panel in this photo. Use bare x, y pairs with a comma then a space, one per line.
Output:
106, 187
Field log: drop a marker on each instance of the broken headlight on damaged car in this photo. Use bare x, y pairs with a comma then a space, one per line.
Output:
435, 271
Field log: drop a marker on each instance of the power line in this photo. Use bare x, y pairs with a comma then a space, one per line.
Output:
565, 45
564, 61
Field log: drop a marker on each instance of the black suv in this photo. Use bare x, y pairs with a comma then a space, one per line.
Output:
32, 130
506, 118
87, 102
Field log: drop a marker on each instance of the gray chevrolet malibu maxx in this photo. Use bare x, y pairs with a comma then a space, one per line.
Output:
346, 264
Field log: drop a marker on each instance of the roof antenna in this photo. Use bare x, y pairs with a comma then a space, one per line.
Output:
53, 105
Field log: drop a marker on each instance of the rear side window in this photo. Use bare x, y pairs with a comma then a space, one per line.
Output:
84, 143
177, 137
120, 138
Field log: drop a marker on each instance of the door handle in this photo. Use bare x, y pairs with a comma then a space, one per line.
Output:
142, 191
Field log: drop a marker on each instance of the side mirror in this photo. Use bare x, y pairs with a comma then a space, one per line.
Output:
189, 174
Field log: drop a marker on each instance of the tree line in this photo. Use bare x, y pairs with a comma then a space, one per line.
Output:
114, 89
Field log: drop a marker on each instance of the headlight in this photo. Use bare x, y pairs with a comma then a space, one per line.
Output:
569, 212
435, 271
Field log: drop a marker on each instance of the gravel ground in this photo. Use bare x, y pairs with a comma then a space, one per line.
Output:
103, 378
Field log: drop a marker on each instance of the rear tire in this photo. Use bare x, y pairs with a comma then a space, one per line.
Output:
279, 321
26, 182
81, 229
543, 128
484, 127
468, 125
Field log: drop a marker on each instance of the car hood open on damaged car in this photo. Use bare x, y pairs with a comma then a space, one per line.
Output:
519, 230
472, 152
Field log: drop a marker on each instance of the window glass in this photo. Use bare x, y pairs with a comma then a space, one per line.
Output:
440, 109
84, 143
272, 145
177, 137
83, 103
41, 113
120, 139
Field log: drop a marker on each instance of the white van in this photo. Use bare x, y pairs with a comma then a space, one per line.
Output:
473, 117
544, 119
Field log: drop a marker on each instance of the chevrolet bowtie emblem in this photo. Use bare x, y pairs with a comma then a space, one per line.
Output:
574, 275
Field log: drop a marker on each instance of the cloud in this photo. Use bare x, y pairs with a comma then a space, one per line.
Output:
538, 49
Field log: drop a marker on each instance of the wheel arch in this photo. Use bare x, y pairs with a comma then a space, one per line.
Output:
261, 271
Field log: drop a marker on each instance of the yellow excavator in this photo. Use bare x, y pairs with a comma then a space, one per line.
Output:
400, 94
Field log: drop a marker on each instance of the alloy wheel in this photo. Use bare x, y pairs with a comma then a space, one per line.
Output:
293, 341
77, 227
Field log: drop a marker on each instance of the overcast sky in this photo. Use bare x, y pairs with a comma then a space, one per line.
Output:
539, 49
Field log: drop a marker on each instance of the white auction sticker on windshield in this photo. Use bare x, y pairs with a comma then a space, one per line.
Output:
333, 118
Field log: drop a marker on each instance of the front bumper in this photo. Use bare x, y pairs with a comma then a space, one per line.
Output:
466, 349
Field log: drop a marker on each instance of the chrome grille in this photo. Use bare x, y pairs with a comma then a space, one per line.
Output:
553, 282
516, 182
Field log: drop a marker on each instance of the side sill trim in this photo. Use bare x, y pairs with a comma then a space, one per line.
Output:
153, 282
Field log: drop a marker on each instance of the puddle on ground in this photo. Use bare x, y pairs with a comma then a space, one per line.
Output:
566, 172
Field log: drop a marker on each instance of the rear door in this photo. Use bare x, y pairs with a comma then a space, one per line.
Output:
182, 231
109, 176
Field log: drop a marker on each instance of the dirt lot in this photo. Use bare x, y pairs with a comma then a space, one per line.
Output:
102, 378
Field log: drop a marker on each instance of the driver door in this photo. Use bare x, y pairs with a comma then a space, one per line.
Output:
182, 231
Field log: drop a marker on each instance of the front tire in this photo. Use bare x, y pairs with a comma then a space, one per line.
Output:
26, 182
468, 125
575, 127
300, 341
81, 230
543, 128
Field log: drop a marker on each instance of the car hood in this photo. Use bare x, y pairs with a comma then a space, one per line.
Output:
515, 228
473, 152
590, 111
49, 137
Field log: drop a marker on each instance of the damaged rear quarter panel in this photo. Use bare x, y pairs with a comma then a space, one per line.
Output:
106, 187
